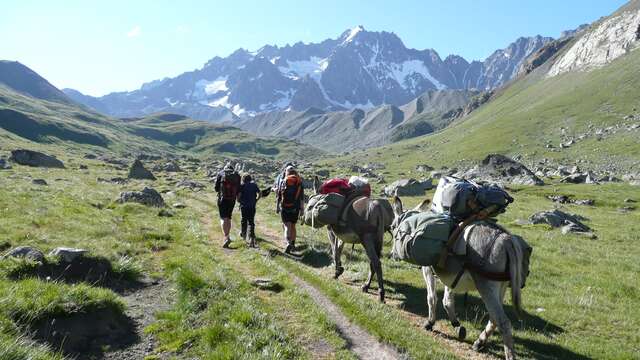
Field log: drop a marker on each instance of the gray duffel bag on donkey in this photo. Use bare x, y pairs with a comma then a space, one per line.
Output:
323, 210
421, 237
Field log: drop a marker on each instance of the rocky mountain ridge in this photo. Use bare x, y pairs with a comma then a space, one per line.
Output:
358, 69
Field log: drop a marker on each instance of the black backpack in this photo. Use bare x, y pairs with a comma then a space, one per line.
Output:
229, 185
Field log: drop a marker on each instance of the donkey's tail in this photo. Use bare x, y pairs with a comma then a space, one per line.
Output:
515, 259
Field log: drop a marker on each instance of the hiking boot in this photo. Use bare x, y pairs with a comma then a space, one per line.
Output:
252, 243
288, 249
226, 243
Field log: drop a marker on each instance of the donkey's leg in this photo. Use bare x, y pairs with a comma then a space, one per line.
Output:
450, 306
367, 284
337, 251
491, 293
369, 242
490, 328
432, 296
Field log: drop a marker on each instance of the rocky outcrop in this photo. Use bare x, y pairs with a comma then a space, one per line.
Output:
138, 171
496, 168
560, 219
408, 187
147, 196
612, 38
35, 159
543, 55
26, 252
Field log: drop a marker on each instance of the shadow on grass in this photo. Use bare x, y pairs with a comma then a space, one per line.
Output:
97, 271
87, 335
470, 308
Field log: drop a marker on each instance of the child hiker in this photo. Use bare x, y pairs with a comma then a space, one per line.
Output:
248, 197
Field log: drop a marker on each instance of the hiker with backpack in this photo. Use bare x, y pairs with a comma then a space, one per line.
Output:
290, 204
278, 182
227, 186
248, 196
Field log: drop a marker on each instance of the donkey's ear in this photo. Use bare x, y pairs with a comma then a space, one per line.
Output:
397, 206
423, 206
316, 184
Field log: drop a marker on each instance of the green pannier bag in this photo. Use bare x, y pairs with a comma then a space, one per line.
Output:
420, 238
323, 210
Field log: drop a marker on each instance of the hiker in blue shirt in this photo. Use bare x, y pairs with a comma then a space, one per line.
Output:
248, 197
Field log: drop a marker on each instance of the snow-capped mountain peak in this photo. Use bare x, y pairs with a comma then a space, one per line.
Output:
358, 69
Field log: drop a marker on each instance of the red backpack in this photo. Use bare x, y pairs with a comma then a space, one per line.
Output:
290, 192
229, 185
337, 185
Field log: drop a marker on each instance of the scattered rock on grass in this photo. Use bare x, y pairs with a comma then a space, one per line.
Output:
67, 254
165, 213
267, 284
179, 205
560, 219
26, 252
39, 182
190, 184
147, 196
138, 171
407, 187
501, 169
35, 159
4, 165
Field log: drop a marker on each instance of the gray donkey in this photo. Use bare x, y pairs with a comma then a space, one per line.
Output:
495, 260
366, 222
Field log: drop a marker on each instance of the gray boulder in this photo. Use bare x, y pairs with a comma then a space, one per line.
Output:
39, 182
4, 165
190, 184
496, 168
35, 159
168, 167
138, 171
584, 178
26, 252
323, 173
68, 255
424, 168
560, 219
147, 196
407, 187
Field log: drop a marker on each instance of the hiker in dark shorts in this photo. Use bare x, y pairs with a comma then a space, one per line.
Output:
248, 197
291, 201
227, 186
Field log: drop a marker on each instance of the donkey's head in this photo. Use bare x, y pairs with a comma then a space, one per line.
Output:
399, 213
316, 185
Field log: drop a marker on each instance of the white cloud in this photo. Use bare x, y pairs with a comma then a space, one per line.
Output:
135, 32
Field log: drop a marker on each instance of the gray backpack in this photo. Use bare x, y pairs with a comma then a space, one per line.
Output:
323, 210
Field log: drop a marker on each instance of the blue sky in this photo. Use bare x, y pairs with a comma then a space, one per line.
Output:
102, 46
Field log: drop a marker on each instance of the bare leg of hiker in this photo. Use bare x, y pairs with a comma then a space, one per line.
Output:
225, 223
289, 236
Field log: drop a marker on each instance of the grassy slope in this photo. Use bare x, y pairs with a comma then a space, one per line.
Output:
528, 114
25, 120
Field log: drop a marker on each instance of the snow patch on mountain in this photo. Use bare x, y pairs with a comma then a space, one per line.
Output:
299, 69
352, 33
403, 74
204, 88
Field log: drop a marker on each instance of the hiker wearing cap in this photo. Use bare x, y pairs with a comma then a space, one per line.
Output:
291, 203
248, 197
227, 186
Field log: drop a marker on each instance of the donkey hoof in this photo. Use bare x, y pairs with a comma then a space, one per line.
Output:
478, 345
428, 325
339, 271
462, 332
365, 288
382, 301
